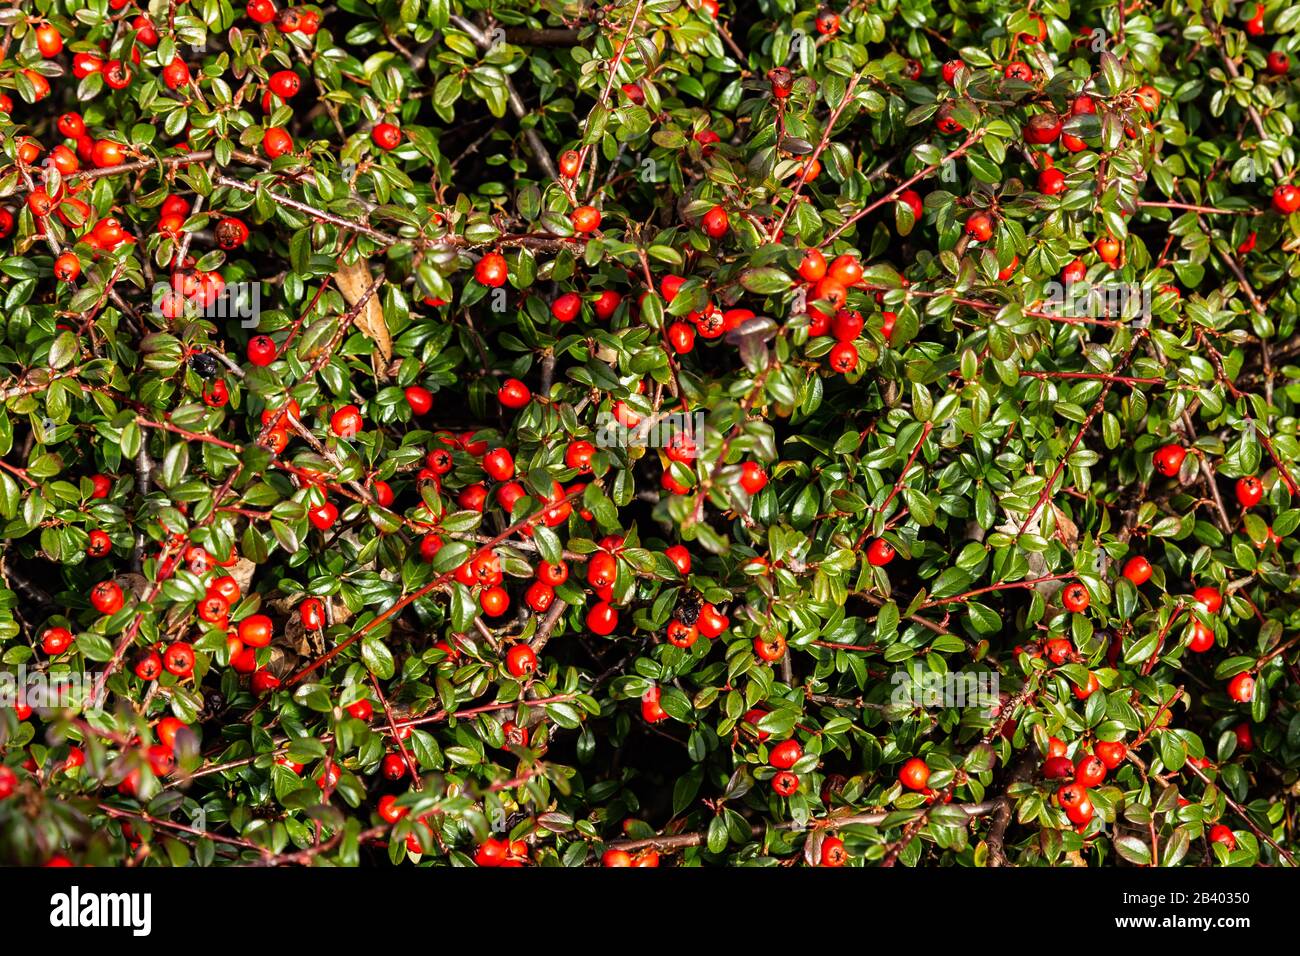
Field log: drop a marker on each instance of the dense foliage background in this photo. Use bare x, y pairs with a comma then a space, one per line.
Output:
386, 665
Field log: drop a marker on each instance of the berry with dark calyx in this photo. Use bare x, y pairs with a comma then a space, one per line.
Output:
178, 659
148, 666
1075, 597
1250, 491
1168, 459
106, 597
99, 544
833, 853
770, 648
261, 350
844, 357
979, 226
785, 783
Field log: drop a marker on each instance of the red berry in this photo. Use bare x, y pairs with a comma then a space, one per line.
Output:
1111, 753
785, 754
833, 852
56, 640
420, 399
261, 350
386, 136
1250, 491
256, 630
176, 74
323, 515
1090, 771
148, 665
276, 142
602, 619
1058, 768
539, 596
346, 421
491, 270
1138, 570
606, 304
1286, 199
285, 84
680, 557
1051, 182
567, 307
715, 223
311, 612
585, 219
681, 335
106, 597
1168, 459
1108, 249
752, 477
1221, 834
1242, 688
914, 774
521, 661
49, 41
1209, 599
1075, 597
499, 464
880, 552
785, 783
178, 659
1043, 128
979, 226
514, 393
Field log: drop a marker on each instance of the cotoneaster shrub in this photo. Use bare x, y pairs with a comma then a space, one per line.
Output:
324, 330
